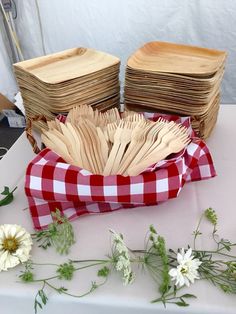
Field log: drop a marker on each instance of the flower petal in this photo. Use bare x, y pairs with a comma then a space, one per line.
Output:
188, 254
11, 259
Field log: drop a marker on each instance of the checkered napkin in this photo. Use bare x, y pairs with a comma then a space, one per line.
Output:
52, 183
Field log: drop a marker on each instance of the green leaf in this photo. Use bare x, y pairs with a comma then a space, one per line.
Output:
39, 304
187, 295
62, 289
152, 229
6, 190
27, 276
6, 200
36, 305
181, 304
43, 296
103, 272
9, 196
66, 271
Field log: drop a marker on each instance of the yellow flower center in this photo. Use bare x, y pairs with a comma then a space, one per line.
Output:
184, 270
10, 244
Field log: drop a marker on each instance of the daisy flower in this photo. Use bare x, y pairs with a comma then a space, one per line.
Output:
15, 246
187, 270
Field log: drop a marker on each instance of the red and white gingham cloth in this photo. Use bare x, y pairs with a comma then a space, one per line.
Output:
52, 183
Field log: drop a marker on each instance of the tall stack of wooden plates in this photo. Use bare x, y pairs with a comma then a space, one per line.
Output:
56, 83
176, 79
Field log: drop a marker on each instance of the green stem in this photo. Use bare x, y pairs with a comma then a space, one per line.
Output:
196, 233
73, 295
90, 261
163, 298
155, 275
214, 252
57, 276
45, 264
13, 190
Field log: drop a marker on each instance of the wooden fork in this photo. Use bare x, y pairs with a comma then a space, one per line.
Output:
96, 147
57, 146
164, 130
104, 145
138, 138
125, 138
151, 137
114, 136
135, 117
172, 142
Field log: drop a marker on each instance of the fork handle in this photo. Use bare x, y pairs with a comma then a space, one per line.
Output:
118, 158
111, 159
160, 145
150, 160
128, 157
141, 153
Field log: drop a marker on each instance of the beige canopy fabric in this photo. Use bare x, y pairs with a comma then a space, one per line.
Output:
119, 27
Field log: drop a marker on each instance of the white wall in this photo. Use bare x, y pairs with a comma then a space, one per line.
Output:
7, 81
121, 26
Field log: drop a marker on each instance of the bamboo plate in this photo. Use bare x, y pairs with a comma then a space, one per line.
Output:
171, 99
72, 95
167, 91
67, 65
188, 110
35, 103
74, 88
144, 75
175, 58
68, 83
185, 89
170, 108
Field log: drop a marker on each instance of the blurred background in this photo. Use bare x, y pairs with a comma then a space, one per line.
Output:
118, 27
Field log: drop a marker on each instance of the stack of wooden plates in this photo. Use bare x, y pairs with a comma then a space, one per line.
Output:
56, 83
176, 79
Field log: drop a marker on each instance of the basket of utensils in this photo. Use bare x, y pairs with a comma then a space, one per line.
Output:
97, 162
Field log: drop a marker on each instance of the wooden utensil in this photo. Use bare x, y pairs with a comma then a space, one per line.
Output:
114, 136
124, 139
138, 139
52, 142
151, 138
172, 142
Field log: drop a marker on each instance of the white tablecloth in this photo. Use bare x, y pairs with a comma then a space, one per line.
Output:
175, 220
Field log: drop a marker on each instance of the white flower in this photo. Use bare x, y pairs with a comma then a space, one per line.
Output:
122, 263
187, 270
119, 243
121, 248
122, 258
15, 246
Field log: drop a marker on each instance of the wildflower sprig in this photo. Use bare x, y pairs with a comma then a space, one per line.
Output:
121, 258
65, 272
170, 269
218, 272
59, 234
156, 259
27, 275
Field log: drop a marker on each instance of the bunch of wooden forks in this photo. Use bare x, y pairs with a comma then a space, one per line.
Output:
109, 143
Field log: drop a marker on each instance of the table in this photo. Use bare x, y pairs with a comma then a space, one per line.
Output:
8, 135
174, 219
